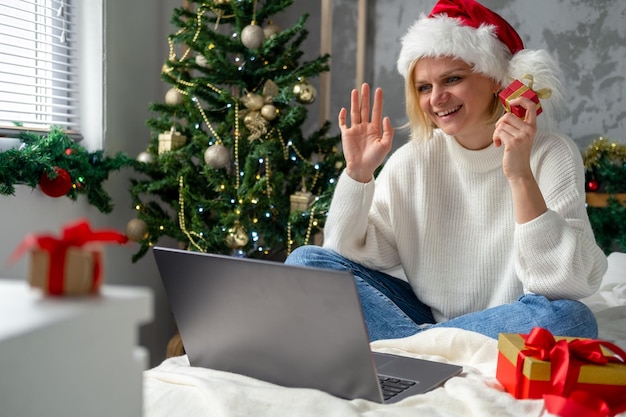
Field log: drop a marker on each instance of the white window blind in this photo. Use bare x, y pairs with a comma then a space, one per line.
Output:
38, 66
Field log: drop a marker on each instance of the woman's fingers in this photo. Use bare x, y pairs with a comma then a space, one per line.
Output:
365, 103
342, 118
377, 110
355, 108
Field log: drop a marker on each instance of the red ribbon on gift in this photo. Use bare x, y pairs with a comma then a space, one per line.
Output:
75, 234
566, 359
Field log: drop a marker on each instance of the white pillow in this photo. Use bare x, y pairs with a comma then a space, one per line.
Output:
616, 272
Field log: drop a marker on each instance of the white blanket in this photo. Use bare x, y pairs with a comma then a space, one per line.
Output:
175, 389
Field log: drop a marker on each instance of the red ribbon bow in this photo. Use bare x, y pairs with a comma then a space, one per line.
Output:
566, 359
75, 234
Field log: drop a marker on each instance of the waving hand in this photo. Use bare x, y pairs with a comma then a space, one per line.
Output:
365, 142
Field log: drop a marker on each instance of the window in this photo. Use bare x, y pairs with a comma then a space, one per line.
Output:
39, 66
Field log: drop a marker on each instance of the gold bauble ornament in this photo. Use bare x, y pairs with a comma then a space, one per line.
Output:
252, 36
269, 112
253, 101
217, 156
173, 97
237, 237
221, 1
270, 30
145, 157
305, 92
137, 230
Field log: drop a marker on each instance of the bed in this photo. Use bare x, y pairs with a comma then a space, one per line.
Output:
173, 388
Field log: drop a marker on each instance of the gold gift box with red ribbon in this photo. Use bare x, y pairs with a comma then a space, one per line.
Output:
539, 365
70, 264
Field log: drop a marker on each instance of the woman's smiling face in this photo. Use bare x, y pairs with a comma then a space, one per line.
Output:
456, 99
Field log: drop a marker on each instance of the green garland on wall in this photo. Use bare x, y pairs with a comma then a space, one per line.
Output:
605, 175
59, 167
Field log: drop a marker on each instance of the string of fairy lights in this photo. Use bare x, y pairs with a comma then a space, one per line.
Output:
236, 236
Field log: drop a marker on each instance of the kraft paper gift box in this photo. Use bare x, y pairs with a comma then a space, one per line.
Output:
78, 273
70, 264
523, 374
519, 89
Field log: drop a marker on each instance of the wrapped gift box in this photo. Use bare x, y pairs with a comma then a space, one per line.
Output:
168, 141
69, 264
518, 89
301, 201
526, 376
78, 273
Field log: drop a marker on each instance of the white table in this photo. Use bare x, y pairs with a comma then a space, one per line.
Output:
72, 356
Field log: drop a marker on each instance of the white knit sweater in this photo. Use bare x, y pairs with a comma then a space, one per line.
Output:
445, 215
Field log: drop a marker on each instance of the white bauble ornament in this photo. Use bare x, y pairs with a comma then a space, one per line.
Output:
217, 156
269, 112
202, 61
145, 157
270, 30
252, 36
173, 97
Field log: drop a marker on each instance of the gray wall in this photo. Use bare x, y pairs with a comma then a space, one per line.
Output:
587, 37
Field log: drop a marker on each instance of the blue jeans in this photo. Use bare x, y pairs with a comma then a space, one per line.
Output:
392, 310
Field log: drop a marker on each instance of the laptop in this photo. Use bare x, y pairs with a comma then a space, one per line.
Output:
287, 325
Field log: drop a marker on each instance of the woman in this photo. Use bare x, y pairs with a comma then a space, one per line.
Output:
483, 212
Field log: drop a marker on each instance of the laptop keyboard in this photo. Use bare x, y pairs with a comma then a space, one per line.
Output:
393, 386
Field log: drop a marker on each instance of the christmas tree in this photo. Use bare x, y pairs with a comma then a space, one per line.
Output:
605, 175
228, 168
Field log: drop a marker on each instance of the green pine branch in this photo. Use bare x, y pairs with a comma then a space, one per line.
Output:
39, 155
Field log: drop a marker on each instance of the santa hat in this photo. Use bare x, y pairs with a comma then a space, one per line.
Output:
469, 31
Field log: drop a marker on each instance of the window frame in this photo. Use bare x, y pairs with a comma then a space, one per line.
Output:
90, 73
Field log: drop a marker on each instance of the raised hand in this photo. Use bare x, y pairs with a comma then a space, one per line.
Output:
365, 142
517, 135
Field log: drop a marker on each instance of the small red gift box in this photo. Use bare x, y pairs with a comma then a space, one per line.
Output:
539, 365
71, 264
519, 89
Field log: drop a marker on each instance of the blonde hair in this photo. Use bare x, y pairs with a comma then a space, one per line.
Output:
419, 124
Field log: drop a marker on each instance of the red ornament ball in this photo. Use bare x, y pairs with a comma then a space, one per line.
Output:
593, 185
58, 186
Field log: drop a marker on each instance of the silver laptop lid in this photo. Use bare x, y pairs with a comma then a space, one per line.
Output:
292, 326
